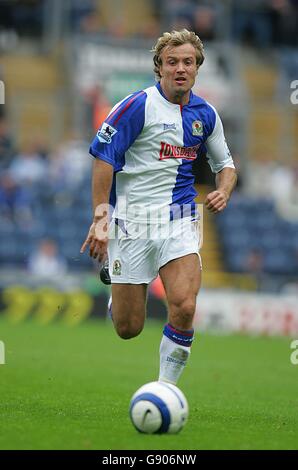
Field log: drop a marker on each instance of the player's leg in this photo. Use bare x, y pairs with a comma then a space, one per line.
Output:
181, 278
129, 309
131, 270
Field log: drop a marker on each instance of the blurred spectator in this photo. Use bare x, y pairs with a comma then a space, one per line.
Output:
29, 167
284, 14
284, 183
179, 13
69, 164
257, 179
6, 145
80, 13
6, 17
46, 262
255, 262
101, 107
254, 265
116, 28
91, 24
251, 22
204, 22
181, 22
15, 201
24, 16
151, 29
275, 181
279, 182
285, 37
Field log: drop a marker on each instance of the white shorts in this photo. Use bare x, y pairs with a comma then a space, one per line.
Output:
137, 252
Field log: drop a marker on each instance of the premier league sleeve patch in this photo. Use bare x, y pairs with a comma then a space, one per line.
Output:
106, 133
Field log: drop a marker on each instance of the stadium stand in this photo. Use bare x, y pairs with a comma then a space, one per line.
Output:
251, 225
254, 235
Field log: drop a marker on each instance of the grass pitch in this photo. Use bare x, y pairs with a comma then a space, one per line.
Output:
69, 388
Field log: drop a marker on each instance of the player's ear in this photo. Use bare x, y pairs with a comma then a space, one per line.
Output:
159, 66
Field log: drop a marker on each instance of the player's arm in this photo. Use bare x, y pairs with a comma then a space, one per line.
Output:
217, 200
116, 135
97, 238
102, 178
221, 163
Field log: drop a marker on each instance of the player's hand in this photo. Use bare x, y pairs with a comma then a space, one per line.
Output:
97, 240
216, 201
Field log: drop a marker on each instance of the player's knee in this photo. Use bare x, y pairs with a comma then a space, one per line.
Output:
182, 311
127, 330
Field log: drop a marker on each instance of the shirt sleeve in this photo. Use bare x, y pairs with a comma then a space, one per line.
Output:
218, 153
119, 131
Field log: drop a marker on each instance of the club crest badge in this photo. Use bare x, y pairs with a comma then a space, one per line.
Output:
106, 133
197, 128
117, 267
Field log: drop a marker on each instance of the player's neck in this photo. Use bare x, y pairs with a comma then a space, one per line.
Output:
181, 100
176, 98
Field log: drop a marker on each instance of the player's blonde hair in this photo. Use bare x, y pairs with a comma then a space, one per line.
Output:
177, 38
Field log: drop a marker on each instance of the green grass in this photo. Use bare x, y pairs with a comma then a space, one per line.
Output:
69, 388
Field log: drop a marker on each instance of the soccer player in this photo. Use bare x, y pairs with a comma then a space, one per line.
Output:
143, 155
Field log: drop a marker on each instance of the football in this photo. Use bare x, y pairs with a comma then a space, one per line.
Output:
158, 408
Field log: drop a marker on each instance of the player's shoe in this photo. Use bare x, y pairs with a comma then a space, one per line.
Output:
104, 273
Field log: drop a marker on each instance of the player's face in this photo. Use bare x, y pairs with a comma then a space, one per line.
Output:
178, 72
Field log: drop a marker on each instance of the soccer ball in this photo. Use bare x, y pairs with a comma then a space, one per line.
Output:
158, 407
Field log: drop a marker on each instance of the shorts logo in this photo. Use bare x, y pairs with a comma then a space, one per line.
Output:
106, 133
197, 128
116, 267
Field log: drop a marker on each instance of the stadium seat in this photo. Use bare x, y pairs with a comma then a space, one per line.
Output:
252, 224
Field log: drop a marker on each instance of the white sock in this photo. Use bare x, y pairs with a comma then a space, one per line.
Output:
173, 356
